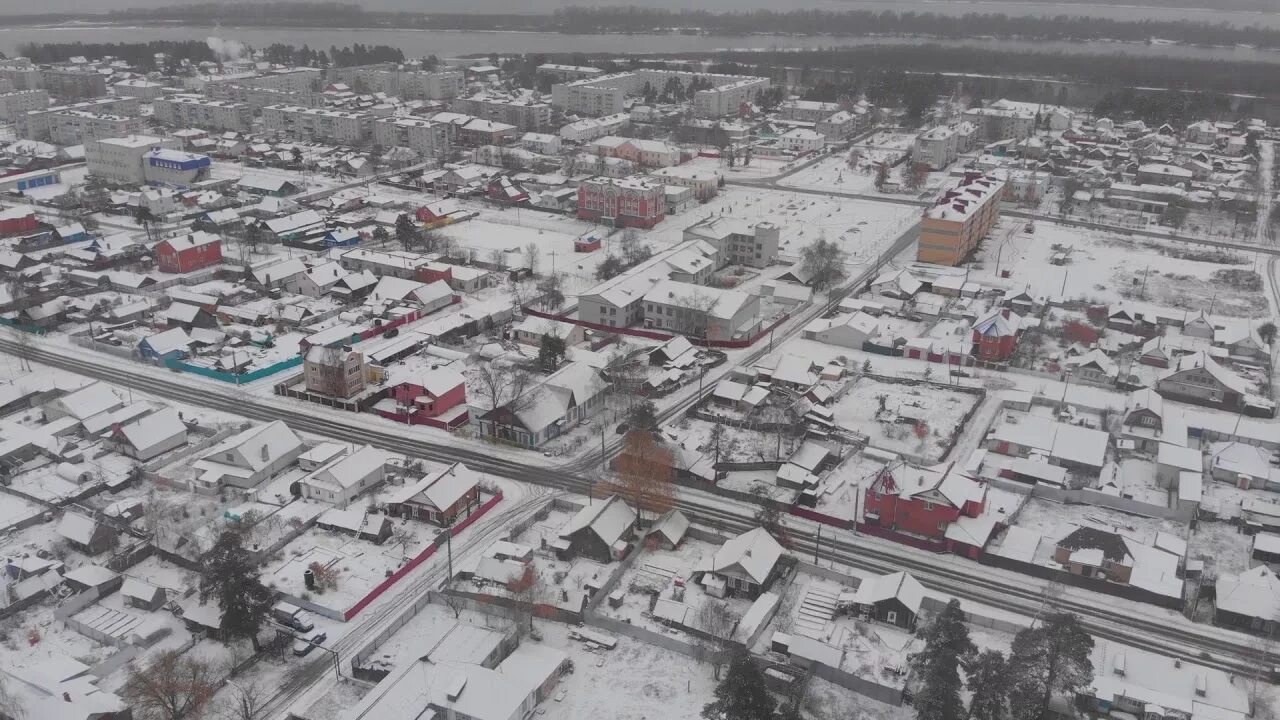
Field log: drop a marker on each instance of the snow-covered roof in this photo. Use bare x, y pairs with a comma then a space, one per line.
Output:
1253, 593
609, 520
755, 552
672, 525
345, 472
898, 585
89, 401
135, 588
439, 490
153, 429
77, 528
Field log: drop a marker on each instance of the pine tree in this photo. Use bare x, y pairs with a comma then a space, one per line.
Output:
231, 577
741, 695
986, 675
946, 643
406, 231
1050, 658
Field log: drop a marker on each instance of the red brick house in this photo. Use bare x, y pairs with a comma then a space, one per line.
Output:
995, 335
18, 220
440, 498
928, 502
623, 202
503, 189
192, 252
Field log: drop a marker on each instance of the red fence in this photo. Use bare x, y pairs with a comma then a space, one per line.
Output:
825, 519
656, 335
913, 541
419, 559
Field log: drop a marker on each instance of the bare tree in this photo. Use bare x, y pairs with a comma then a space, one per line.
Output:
10, 705
721, 442
715, 618
551, 287
244, 700
402, 536
172, 687
532, 254
524, 590
502, 386
646, 473
497, 257
19, 302
693, 314
824, 262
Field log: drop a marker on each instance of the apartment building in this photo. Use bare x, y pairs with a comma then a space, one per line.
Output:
289, 80
726, 99
74, 127
14, 105
406, 84
594, 97
936, 148
568, 73
589, 129
996, 124
428, 139
961, 218
523, 113
37, 124
622, 202
705, 181
21, 73
200, 112
259, 97
807, 110
70, 84
737, 241
339, 126
138, 88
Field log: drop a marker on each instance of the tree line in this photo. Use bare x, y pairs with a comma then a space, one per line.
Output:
592, 20
143, 55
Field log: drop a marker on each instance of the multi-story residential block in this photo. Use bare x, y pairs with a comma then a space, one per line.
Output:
802, 140
738, 242
936, 148
289, 80
699, 311
568, 73
807, 110
428, 139
18, 103
622, 202
348, 128
960, 219
728, 98
21, 73
594, 97
200, 112
525, 114
406, 84
74, 127
37, 124
139, 88
589, 129
479, 132
844, 124
333, 371
71, 84
1002, 124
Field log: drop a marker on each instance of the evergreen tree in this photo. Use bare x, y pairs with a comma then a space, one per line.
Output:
741, 695
1050, 658
231, 578
406, 231
380, 235
986, 676
551, 351
946, 644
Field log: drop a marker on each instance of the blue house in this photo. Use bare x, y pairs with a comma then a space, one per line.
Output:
172, 344
342, 237
74, 232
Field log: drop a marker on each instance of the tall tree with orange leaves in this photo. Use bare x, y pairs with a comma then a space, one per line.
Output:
646, 474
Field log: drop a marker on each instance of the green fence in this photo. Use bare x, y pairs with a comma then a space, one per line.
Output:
24, 328
233, 378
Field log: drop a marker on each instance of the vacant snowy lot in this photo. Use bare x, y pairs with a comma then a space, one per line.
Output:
881, 409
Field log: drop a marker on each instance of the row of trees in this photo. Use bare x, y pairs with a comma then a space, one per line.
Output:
143, 55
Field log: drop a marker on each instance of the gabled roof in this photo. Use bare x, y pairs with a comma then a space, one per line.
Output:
1253, 593
345, 472
1201, 359
672, 525
135, 588
901, 586
995, 324
77, 528
153, 428
89, 401
439, 490
609, 520
755, 552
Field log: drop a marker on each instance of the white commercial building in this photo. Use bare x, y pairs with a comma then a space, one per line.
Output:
143, 159
199, 112
802, 140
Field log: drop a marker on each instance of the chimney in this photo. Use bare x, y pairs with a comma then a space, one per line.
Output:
1005, 313
66, 696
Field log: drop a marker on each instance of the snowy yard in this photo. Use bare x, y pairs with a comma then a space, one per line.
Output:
912, 419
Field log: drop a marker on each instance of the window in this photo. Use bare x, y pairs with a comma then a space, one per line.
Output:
928, 505
891, 617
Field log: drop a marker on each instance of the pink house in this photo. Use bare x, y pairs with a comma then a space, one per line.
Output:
438, 398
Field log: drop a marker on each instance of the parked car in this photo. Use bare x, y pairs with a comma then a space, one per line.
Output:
304, 645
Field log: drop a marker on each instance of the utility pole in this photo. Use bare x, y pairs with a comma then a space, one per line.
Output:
816, 543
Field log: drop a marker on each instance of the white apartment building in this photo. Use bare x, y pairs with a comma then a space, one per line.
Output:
802, 140
348, 128
700, 311
594, 97
728, 98
120, 159
568, 73
808, 110
937, 148
199, 112
138, 88
525, 114
21, 73
430, 85
14, 105
290, 80
738, 242
424, 137
37, 124
77, 126
999, 124
589, 129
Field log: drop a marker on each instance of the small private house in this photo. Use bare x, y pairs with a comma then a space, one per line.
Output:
90, 400
357, 523
566, 397
440, 498
86, 534
187, 253
436, 397
150, 436
894, 599
668, 530
927, 501
142, 595
600, 531
247, 459
172, 344
745, 566
1249, 601
343, 479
